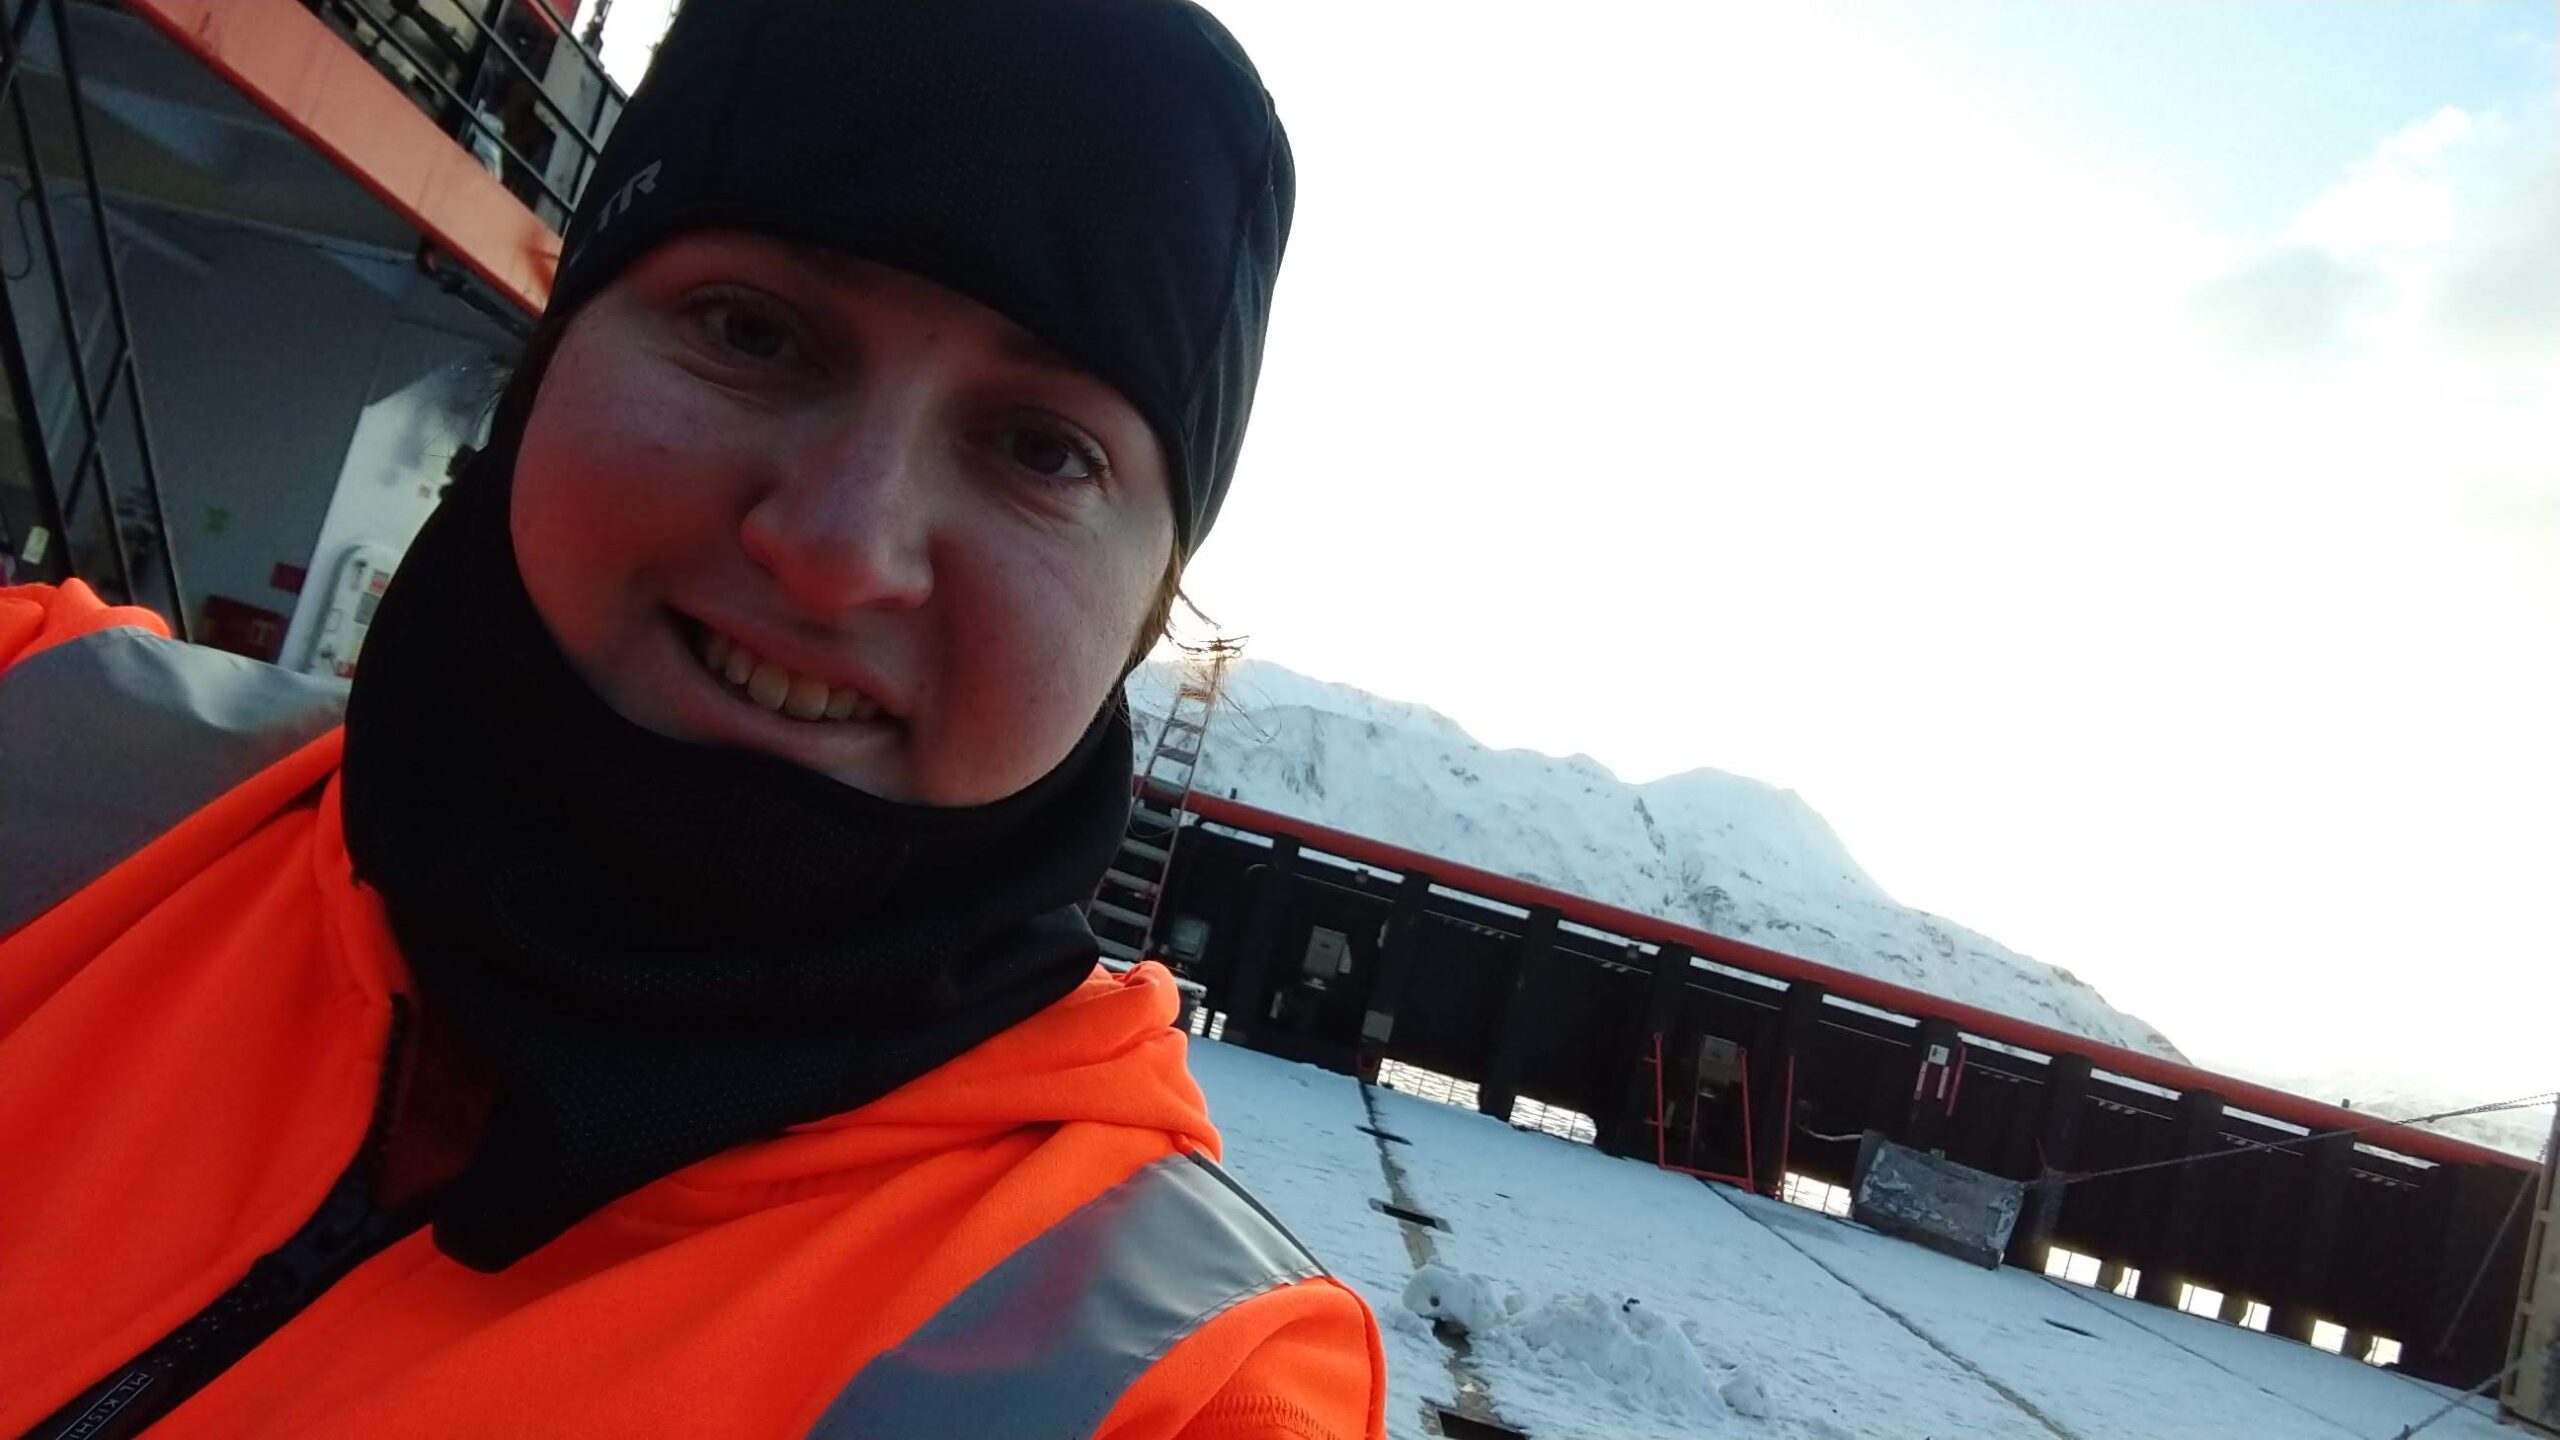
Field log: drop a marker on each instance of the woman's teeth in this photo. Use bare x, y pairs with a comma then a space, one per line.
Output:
782, 691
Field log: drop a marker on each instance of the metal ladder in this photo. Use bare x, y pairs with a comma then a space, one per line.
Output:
1125, 910
59, 394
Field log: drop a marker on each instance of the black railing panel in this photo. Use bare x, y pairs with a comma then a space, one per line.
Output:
507, 79
94, 523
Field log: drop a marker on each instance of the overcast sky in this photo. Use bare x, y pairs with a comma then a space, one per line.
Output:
2100, 455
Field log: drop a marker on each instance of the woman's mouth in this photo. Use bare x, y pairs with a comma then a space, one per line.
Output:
771, 686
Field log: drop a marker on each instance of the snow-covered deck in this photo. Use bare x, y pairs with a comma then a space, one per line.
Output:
1603, 1298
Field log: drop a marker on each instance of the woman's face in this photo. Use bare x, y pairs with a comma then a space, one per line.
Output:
773, 497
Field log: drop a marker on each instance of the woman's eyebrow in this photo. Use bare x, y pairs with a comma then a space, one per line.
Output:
1012, 341
1024, 348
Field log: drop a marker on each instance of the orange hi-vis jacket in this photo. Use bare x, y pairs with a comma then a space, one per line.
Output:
193, 1046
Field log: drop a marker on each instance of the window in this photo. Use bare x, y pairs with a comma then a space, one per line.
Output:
2332, 1338
1556, 1120
1814, 1194
1427, 1084
2067, 1264
2383, 1351
2255, 1315
2071, 1265
2197, 1300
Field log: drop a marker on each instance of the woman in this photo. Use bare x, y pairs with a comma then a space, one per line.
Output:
662, 1008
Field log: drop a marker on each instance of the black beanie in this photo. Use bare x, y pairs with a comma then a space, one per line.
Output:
1108, 174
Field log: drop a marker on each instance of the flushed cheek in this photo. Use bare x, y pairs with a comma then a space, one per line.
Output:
1023, 683
599, 545
628, 498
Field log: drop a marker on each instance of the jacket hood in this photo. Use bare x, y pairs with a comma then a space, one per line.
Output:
1108, 1054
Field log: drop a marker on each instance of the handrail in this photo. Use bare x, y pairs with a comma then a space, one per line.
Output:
1848, 984
470, 114
490, 37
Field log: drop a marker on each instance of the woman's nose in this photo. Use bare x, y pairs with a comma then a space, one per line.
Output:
846, 519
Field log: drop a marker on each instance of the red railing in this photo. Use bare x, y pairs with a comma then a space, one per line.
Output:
1849, 985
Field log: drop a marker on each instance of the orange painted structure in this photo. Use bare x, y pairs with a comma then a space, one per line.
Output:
299, 71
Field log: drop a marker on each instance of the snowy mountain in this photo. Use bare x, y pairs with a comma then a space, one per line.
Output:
2521, 1131
1720, 852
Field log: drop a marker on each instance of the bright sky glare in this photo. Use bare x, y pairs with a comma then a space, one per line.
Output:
2100, 455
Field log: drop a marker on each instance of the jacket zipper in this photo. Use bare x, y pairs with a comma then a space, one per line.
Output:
346, 1231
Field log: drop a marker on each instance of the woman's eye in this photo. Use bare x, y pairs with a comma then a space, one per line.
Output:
746, 329
753, 333
1051, 454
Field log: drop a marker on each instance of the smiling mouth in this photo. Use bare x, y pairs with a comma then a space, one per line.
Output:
770, 686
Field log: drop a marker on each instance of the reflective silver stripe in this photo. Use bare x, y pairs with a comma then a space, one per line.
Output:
1044, 1344
109, 740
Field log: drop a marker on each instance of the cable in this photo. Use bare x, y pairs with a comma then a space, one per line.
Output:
2457, 1401
2247, 1147
2088, 1297
2472, 1291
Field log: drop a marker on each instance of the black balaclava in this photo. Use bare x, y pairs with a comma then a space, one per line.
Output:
664, 949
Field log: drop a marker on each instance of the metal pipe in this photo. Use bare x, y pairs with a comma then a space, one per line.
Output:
1661, 1156
1750, 1157
1787, 1129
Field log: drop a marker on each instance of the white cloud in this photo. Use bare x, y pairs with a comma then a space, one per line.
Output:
2460, 215
1725, 386
2293, 302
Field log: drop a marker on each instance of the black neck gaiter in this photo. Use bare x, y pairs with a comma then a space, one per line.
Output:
664, 949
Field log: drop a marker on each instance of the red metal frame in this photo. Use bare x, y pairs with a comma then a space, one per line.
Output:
1750, 1157
1661, 1154
1848, 985
1749, 1178
1787, 1118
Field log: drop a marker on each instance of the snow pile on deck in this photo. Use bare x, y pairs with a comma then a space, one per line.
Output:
1603, 1299
1580, 1342
1720, 852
